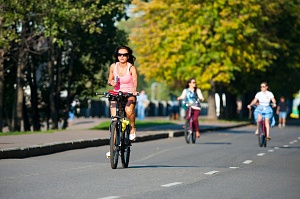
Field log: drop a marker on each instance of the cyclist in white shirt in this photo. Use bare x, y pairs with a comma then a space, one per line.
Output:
264, 97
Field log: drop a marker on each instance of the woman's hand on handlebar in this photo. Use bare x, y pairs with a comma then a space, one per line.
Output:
112, 83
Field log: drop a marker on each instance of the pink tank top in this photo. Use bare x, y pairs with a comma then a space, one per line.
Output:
125, 83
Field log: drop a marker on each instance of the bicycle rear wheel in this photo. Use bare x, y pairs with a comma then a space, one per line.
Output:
187, 134
125, 151
114, 143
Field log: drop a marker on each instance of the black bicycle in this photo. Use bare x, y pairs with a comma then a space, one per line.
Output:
119, 129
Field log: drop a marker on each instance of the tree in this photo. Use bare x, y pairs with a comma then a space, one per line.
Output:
281, 26
6, 36
56, 23
211, 40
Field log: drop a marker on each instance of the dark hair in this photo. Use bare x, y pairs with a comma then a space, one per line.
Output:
189, 81
131, 58
266, 84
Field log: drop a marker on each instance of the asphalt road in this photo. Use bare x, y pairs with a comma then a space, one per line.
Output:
226, 164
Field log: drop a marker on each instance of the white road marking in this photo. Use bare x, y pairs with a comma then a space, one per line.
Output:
234, 167
211, 172
292, 142
285, 146
110, 197
261, 154
298, 138
271, 150
171, 184
295, 141
247, 162
276, 147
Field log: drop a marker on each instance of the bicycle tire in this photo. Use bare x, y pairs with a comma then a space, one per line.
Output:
114, 144
187, 131
193, 135
125, 151
261, 135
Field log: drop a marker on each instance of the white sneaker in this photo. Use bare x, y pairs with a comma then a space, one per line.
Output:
283, 125
279, 125
132, 136
256, 132
108, 154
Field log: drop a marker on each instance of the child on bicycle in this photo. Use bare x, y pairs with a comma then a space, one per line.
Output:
264, 97
190, 95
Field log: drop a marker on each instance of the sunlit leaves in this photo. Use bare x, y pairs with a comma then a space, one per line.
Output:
210, 39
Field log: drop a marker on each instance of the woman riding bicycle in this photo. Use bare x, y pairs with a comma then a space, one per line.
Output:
190, 95
123, 77
263, 97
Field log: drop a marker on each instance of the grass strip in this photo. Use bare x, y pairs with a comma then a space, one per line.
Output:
105, 125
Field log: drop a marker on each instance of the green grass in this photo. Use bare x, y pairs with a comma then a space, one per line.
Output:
105, 125
25, 132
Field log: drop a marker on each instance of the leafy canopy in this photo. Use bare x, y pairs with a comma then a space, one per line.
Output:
209, 40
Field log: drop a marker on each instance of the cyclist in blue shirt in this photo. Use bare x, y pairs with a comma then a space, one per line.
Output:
190, 95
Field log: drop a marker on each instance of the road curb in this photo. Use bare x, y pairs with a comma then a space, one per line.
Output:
38, 150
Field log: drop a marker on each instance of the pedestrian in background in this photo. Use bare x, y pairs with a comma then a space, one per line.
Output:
281, 111
72, 109
174, 109
143, 103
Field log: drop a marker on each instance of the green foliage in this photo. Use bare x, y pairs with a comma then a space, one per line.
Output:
138, 124
212, 40
77, 38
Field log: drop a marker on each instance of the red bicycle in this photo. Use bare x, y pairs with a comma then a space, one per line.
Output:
262, 132
189, 127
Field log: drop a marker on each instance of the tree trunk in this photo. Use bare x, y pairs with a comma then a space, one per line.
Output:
25, 117
231, 106
68, 100
52, 94
212, 102
35, 114
18, 108
58, 86
1, 87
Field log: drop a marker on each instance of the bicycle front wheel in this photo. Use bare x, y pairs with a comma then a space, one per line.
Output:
114, 143
261, 135
125, 151
193, 135
187, 134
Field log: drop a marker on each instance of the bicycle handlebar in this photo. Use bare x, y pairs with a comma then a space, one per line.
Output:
190, 104
115, 94
254, 106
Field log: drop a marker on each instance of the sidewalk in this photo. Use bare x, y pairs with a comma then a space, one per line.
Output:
78, 136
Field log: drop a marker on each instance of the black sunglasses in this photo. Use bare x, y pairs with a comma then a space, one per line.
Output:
123, 54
